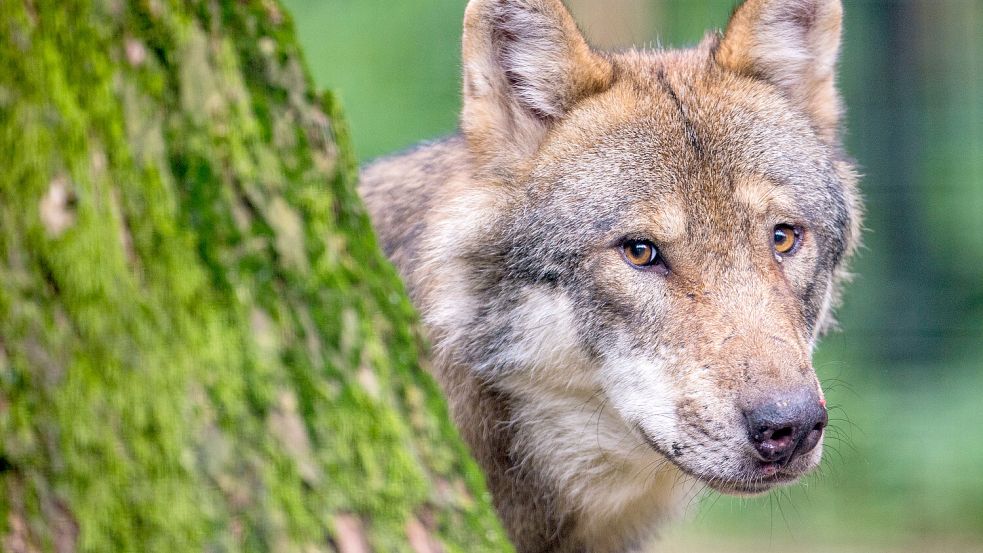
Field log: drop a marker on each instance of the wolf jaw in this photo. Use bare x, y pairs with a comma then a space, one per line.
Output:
597, 394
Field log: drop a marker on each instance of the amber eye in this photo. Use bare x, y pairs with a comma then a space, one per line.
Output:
641, 253
786, 239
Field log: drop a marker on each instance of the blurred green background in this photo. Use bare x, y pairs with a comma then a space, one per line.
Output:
904, 463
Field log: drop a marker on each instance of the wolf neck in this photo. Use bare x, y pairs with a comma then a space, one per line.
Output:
558, 469
613, 488
566, 472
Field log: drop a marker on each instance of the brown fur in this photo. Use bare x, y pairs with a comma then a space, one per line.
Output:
593, 394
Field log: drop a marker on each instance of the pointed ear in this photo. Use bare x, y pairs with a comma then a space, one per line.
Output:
525, 66
793, 44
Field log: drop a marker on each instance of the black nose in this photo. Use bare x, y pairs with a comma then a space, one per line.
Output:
784, 429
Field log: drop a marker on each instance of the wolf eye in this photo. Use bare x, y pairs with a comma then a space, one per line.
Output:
787, 239
642, 254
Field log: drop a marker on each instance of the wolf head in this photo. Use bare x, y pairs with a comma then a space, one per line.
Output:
652, 241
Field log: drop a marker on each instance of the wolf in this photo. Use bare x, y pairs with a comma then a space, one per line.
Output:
623, 262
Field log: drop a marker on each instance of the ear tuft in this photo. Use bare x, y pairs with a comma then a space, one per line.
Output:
793, 44
525, 65
547, 63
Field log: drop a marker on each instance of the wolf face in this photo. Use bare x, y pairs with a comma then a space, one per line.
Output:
635, 254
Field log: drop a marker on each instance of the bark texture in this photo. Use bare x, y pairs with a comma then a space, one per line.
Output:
201, 346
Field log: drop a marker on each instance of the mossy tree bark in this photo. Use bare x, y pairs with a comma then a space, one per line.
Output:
201, 347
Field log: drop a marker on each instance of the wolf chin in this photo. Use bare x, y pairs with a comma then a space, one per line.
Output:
623, 262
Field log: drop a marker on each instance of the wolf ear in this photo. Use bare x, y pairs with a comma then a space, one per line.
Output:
525, 66
793, 44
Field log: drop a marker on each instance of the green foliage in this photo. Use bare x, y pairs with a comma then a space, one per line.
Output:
201, 347
394, 62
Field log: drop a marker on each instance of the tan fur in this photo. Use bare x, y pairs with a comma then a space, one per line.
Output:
765, 39
597, 397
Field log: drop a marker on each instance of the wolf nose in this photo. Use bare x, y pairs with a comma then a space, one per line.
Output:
787, 428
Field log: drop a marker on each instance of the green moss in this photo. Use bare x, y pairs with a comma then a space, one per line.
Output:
201, 347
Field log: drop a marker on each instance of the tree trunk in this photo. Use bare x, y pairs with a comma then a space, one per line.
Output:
201, 346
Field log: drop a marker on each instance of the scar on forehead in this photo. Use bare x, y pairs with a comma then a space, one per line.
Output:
759, 194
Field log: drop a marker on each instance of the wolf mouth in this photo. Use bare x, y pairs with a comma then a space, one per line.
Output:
743, 486
751, 486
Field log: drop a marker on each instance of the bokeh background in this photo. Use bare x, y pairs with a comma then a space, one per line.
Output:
904, 464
